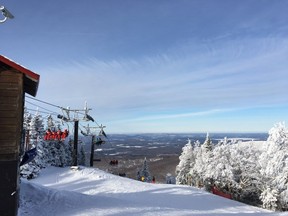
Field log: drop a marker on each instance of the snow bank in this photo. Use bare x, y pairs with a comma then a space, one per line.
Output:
90, 191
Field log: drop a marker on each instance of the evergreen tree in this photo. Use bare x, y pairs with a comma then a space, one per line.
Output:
207, 145
50, 152
144, 174
35, 128
250, 174
221, 170
50, 123
26, 119
269, 197
274, 167
184, 166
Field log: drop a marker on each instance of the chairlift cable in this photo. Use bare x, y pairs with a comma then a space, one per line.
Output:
52, 112
48, 113
60, 107
44, 102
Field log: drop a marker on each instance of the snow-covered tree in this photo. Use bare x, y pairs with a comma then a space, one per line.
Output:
51, 123
220, 168
144, 174
207, 145
270, 197
184, 166
201, 171
275, 153
50, 152
36, 129
232, 169
34, 126
274, 165
26, 119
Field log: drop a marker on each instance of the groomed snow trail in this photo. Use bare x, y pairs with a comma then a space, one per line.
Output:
90, 191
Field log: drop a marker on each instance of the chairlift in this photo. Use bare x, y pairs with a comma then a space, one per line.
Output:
98, 141
28, 156
56, 135
52, 133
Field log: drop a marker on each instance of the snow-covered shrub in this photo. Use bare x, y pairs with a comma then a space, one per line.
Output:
283, 200
270, 197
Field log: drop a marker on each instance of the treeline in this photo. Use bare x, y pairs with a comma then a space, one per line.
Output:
256, 175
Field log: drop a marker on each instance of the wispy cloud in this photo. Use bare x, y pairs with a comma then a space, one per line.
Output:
178, 115
228, 77
172, 61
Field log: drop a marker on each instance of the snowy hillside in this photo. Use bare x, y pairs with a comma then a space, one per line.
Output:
90, 191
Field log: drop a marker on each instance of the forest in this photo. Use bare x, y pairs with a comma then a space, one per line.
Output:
253, 172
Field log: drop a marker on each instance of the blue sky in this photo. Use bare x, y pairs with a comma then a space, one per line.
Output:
157, 66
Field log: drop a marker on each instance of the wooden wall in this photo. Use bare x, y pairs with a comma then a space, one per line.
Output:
11, 120
11, 114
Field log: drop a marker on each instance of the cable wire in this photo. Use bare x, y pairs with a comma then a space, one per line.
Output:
48, 113
52, 112
44, 102
60, 107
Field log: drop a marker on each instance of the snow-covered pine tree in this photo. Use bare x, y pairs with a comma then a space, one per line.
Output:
50, 152
197, 167
26, 119
207, 159
283, 200
184, 166
247, 172
68, 148
36, 128
220, 169
25, 133
144, 174
274, 165
270, 197
50, 123
275, 145
237, 169
207, 145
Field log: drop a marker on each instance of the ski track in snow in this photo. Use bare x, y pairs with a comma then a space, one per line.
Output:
90, 191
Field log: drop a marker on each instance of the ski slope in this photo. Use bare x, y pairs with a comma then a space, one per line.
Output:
90, 191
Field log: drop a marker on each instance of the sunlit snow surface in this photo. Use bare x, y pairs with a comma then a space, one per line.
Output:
90, 191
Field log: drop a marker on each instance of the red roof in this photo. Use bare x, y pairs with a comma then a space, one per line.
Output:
32, 79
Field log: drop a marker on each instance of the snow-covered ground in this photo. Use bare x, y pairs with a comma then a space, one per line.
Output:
90, 191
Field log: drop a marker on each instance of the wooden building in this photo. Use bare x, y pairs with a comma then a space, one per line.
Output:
15, 81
